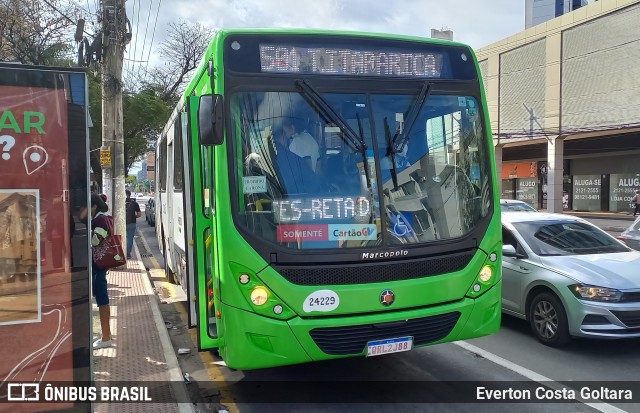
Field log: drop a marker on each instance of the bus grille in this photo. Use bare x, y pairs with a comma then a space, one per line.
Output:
354, 339
629, 318
365, 273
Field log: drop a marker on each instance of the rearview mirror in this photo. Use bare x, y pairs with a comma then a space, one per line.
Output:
211, 120
509, 250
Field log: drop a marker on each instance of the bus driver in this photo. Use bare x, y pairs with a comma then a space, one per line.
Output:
301, 143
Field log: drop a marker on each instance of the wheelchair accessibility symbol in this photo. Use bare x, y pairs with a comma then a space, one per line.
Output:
402, 225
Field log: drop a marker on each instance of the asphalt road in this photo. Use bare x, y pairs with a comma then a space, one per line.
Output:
412, 381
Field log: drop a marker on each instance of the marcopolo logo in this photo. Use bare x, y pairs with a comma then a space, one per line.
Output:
338, 232
386, 254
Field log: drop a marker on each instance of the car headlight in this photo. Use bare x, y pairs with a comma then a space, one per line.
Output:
593, 293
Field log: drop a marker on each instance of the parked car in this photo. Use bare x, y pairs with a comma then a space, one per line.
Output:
631, 235
150, 211
515, 205
568, 278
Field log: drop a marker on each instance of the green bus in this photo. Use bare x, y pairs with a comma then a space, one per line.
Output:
331, 194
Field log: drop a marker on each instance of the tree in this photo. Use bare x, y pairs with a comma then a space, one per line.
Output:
145, 113
33, 32
185, 45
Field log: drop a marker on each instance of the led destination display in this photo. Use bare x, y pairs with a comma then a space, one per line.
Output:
319, 209
326, 60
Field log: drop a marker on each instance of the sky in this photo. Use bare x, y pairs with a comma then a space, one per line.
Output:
477, 23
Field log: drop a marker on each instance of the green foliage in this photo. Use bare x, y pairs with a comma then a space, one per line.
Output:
32, 32
144, 116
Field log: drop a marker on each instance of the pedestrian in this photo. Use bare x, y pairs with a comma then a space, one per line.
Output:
133, 213
99, 224
635, 201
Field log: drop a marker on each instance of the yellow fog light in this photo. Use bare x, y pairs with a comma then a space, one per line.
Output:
485, 274
259, 295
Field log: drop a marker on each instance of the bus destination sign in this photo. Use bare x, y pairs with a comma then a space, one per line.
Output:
343, 61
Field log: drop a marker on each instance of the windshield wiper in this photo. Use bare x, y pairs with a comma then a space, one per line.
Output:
394, 172
349, 134
401, 136
353, 139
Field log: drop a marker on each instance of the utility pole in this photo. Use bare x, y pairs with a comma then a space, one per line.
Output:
114, 39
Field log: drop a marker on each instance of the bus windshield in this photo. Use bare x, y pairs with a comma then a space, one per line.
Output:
303, 181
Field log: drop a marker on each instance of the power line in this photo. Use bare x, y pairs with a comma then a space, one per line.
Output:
135, 46
153, 34
146, 30
65, 16
133, 16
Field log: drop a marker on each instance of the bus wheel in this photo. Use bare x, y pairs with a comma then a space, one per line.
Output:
171, 277
167, 270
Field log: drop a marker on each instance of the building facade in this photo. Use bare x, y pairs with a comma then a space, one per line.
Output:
444, 34
142, 174
539, 11
150, 160
564, 105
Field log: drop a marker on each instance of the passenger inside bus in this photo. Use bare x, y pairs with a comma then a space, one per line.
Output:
296, 172
338, 162
301, 142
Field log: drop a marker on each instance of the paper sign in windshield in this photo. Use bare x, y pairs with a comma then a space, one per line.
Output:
254, 184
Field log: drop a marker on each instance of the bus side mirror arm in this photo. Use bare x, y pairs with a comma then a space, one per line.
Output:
211, 120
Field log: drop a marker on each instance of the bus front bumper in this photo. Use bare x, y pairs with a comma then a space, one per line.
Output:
251, 341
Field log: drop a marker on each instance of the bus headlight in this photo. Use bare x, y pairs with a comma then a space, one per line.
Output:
259, 295
485, 274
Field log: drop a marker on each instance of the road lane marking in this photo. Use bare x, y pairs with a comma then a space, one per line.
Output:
206, 357
533, 376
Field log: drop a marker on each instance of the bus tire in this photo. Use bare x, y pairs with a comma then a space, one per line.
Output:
167, 270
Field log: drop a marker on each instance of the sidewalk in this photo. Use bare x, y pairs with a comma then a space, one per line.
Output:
142, 350
623, 216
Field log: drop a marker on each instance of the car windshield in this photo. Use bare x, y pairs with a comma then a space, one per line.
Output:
319, 171
567, 238
516, 206
634, 227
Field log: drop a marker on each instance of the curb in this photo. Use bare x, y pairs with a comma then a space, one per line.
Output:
175, 374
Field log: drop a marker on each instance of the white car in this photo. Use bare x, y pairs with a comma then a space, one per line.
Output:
508, 205
568, 278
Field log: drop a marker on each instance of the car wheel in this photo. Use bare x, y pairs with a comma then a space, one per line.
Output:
548, 320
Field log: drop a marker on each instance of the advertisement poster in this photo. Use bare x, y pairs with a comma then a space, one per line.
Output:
43, 267
519, 170
621, 191
587, 192
527, 191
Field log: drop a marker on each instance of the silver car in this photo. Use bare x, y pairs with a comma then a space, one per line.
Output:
631, 235
568, 278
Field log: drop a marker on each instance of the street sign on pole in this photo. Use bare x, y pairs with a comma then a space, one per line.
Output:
105, 156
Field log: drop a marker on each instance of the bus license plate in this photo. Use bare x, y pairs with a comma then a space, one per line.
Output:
392, 345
